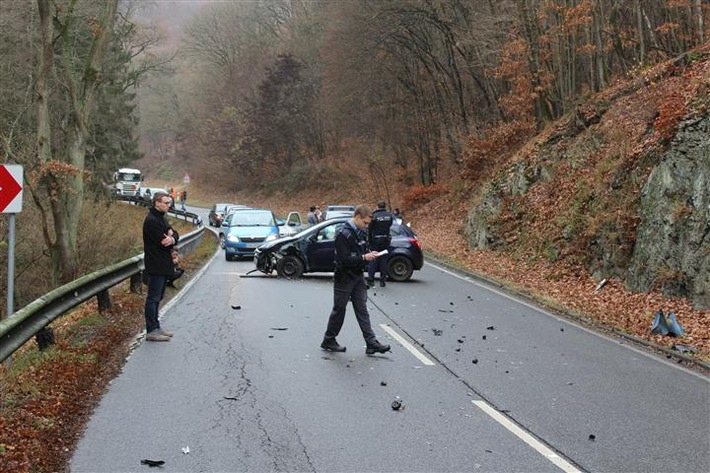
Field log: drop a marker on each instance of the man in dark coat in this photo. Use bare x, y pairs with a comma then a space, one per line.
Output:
159, 238
379, 237
351, 257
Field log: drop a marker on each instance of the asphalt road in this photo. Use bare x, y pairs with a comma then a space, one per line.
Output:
488, 383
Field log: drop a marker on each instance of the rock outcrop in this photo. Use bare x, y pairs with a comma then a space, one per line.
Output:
672, 250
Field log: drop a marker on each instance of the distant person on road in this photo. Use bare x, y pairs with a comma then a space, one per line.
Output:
397, 215
183, 199
319, 214
311, 218
351, 258
379, 237
159, 239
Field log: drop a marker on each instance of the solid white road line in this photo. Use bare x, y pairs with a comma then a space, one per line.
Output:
407, 345
516, 430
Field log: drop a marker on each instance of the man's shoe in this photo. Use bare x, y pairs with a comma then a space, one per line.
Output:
382, 284
376, 347
167, 333
156, 336
332, 345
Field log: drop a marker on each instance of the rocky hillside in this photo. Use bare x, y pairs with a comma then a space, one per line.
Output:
622, 188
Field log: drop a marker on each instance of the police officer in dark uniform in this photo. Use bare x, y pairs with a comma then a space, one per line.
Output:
379, 238
351, 257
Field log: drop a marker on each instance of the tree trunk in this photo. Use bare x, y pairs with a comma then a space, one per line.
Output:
542, 112
599, 47
65, 185
639, 28
699, 25
44, 71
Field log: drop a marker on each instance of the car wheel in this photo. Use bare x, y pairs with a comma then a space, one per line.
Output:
227, 256
289, 267
400, 268
221, 240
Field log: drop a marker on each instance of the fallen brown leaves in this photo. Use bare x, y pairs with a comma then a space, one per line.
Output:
568, 288
46, 404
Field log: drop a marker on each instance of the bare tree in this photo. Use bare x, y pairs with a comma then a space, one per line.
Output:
61, 173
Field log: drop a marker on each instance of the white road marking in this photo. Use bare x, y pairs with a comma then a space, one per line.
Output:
516, 430
407, 345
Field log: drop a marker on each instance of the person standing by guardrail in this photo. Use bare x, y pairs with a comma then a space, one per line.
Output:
159, 238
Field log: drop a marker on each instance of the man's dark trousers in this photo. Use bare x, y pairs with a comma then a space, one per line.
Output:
156, 290
349, 286
380, 264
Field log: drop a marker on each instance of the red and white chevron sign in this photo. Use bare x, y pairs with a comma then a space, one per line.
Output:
10, 188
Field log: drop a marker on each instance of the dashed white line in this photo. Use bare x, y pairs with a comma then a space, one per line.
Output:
516, 430
407, 345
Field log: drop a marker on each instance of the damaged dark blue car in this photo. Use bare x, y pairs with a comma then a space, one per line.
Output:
313, 250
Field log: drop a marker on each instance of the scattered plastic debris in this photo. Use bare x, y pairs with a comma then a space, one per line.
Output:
186, 450
437, 332
674, 327
483, 337
458, 349
383, 383
271, 336
601, 284
229, 398
492, 327
474, 361
592, 437
152, 463
661, 326
562, 329
236, 307
451, 303
460, 340
397, 404
279, 328
684, 348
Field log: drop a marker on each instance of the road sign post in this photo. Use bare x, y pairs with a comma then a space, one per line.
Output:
10, 203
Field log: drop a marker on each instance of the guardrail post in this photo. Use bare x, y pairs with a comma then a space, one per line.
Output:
137, 283
45, 338
104, 300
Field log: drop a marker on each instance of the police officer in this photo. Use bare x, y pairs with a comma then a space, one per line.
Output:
379, 238
351, 258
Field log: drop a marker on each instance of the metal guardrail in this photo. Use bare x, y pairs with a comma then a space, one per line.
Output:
28, 321
177, 213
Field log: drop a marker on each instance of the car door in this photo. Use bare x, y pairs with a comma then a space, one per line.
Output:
321, 250
294, 224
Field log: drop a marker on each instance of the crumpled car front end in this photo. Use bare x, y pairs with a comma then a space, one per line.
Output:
265, 259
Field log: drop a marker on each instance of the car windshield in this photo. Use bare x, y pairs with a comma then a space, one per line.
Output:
328, 233
129, 177
252, 219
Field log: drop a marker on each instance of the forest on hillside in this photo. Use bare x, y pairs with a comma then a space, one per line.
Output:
273, 94
285, 91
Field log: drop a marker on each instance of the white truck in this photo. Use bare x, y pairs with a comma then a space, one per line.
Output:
127, 183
